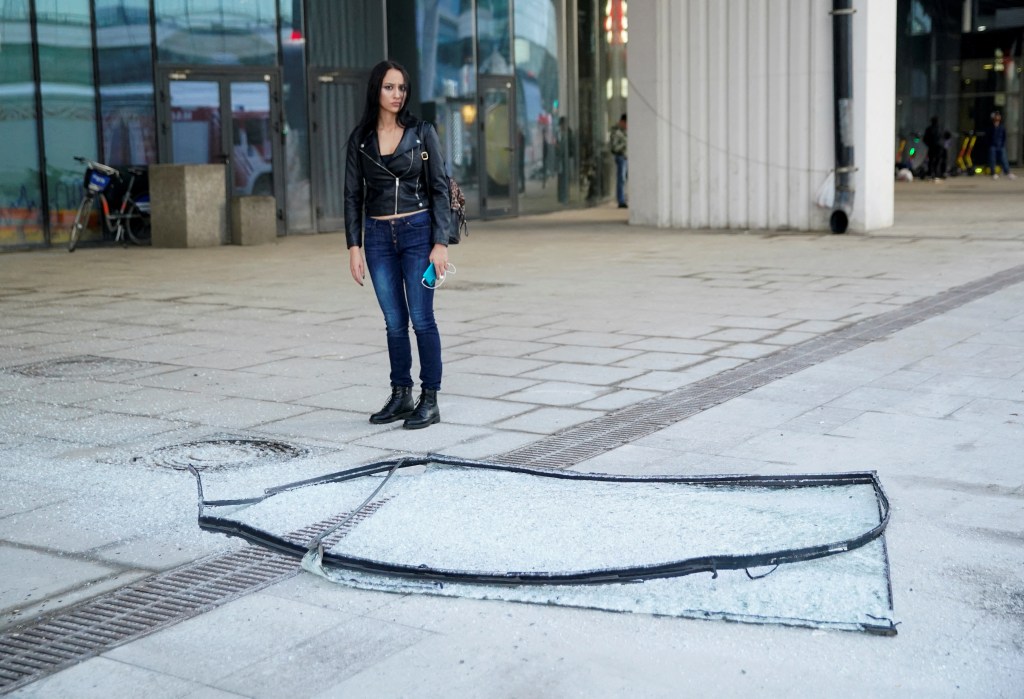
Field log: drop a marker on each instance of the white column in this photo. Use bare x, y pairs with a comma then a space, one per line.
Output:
874, 96
730, 113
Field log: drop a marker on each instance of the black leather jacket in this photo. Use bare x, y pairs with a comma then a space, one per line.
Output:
373, 189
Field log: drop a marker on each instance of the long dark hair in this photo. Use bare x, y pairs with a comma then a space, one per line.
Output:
372, 109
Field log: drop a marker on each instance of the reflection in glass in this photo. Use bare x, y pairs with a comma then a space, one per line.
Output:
456, 127
448, 80
69, 104
497, 150
299, 211
195, 122
216, 32
493, 35
446, 48
251, 156
20, 195
544, 139
126, 82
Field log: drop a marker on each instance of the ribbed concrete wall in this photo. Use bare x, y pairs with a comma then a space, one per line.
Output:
730, 112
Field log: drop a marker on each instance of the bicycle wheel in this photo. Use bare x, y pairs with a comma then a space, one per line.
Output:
81, 218
137, 225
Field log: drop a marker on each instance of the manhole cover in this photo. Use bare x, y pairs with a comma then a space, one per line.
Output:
81, 367
211, 454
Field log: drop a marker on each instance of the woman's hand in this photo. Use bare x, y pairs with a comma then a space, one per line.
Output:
439, 258
356, 265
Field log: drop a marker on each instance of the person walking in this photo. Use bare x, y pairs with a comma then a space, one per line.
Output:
933, 141
618, 143
997, 148
397, 213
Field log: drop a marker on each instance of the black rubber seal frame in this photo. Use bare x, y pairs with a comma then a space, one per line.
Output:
689, 566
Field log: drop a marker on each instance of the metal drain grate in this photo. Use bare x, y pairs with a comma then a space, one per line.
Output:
220, 454
40, 648
84, 366
591, 439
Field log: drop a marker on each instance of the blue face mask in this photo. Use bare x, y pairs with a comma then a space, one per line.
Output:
430, 279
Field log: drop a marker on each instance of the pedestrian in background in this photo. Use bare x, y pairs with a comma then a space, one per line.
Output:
618, 143
398, 211
947, 143
997, 148
933, 141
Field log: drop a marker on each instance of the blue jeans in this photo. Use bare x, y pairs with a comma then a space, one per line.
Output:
397, 254
621, 172
997, 156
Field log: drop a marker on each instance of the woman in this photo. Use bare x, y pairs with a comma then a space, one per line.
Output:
405, 215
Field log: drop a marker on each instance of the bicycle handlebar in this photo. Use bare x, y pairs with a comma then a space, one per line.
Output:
105, 169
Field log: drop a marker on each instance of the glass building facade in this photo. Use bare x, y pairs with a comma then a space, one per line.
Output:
959, 61
522, 92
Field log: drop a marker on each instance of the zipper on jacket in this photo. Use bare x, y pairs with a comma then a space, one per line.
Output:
385, 169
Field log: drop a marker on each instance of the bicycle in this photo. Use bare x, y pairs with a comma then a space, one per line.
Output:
130, 220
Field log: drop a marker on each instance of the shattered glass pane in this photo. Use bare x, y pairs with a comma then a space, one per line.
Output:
457, 527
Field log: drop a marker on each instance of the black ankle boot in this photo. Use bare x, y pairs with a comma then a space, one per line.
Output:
426, 412
399, 406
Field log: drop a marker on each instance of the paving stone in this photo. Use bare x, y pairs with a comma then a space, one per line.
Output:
485, 447
662, 380
547, 420
438, 439
594, 339
746, 350
504, 348
585, 354
40, 574
584, 373
739, 335
757, 322
211, 647
152, 402
238, 413
334, 425
101, 678
679, 346
787, 338
464, 410
557, 393
497, 366
483, 386
318, 664
662, 361
617, 399
300, 368
507, 333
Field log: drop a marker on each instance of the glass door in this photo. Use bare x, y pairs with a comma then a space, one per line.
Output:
498, 174
252, 139
230, 117
196, 136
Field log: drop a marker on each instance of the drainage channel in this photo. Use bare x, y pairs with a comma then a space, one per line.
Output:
52, 643
32, 651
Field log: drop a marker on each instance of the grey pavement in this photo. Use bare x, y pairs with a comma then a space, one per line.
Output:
549, 323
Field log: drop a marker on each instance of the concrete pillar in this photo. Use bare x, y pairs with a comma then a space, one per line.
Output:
188, 205
253, 220
874, 94
730, 113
